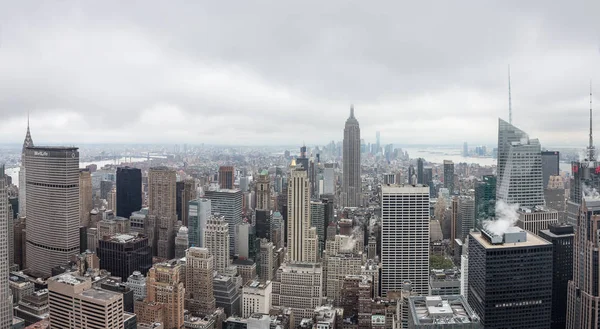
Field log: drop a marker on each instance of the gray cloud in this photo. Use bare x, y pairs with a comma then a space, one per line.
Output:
273, 72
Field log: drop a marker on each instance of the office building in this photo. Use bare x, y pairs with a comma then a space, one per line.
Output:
85, 197
165, 287
228, 203
6, 300
329, 179
53, 195
444, 282
119, 287
162, 208
111, 198
520, 178
537, 218
502, 270
123, 254
338, 265
317, 220
561, 236
226, 177
405, 238
228, 294
351, 182
466, 216
28, 142
263, 191
216, 239
389, 179
74, 304
550, 165
137, 283
129, 191
199, 295
356, 299
181, 242
256, 298
262, 223
33, 308
247, 246
449, 176
302, 238
266, 265
186, 192
298, 287
485, 199
412, 175
420, 171
452, 312
555, 196
199, 212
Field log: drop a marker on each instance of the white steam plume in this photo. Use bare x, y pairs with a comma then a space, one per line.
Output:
589, 192
506, 216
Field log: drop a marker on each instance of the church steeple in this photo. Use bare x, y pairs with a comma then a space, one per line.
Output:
28, 142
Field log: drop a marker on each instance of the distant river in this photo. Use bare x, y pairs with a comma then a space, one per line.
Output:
14, 172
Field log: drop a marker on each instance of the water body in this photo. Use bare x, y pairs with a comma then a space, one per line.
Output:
14, 172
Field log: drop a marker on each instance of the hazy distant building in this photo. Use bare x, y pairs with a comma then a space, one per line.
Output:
317, 220
226, 177
199, 295
129, 191
228, 203
561, 236
263, 191
502, 271
53, 207
550, 165
519, 167
302, 241
351, 183
6, 299
329, 179
186, 192
28, 142
449, 175
85, 197
405, 238
420, 171
200, 211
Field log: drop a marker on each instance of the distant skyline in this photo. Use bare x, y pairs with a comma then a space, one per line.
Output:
272, 73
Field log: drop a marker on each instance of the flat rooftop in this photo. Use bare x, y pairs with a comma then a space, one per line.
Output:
441, 310
100, 294
532, 240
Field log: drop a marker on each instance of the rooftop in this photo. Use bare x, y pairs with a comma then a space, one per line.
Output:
68, 278
100, 294
531, 241
441, 310
124, 238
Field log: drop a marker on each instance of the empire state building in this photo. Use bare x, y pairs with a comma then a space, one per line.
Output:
351, 185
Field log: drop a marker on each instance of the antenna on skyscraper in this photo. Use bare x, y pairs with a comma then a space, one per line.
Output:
509, 98
591, 152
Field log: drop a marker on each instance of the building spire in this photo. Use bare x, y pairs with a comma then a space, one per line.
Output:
352, 110
509, 98
591, 151
28, 142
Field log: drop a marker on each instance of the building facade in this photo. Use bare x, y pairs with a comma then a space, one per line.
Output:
199, 295
129, 191
226, 177
302, 238
123, 254
351, 182
6, 299
228, 203
216, 240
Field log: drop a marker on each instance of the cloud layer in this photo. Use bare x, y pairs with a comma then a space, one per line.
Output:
273, 72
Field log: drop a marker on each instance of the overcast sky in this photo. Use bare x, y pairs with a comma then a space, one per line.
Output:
283, 72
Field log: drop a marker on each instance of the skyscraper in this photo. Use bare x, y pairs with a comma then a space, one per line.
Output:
510, 279
85, 196
28, 142
449, 176
420, 173
519, 167
162, 208
405, 238
186, 191
329, 179
228, 203
485, 199
165, 286
263, 191
6, 305
123, 254
351, 185
129, 191
199, 295
302, 238
216, 240
226, 177
53, 207
550, 165
199, 213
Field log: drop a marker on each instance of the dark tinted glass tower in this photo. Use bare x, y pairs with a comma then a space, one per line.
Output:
561, 237
485, 199
129, 191
449, 176
420, 177
510, 279
122, 254
549, 165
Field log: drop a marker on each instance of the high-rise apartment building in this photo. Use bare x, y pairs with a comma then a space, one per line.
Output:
405, 238
550, 165
510, 279
75, 304
186, 192
299, 287
228, 203
216, 240
6, 300
129, 191
561, 236
162, 204
351, 183
85, 197
302, 238
53, 207
226, 177
199, 295
199, 211
28, 142
519, 167
449, 176
123, 254
263, 191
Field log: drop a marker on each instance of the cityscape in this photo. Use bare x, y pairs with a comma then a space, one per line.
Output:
329, 165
